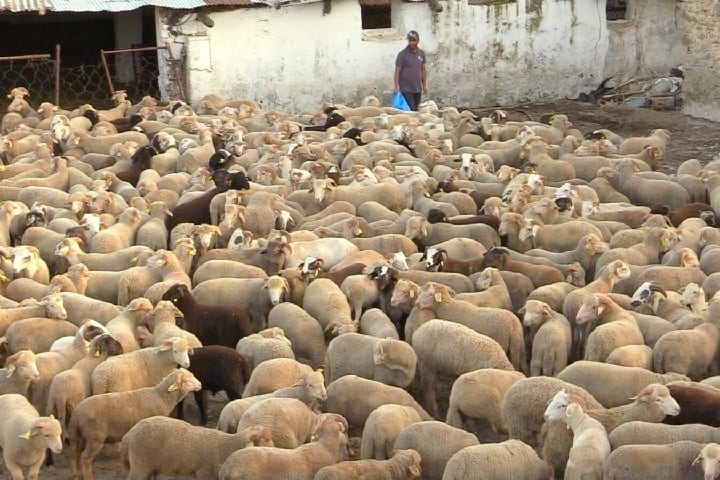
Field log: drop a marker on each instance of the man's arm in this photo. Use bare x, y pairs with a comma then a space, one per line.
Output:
397, 79
423, 77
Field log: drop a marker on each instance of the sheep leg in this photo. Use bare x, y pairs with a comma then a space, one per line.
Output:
15, 470
427, 383
454, 417
34, 470
201, 401
87, 456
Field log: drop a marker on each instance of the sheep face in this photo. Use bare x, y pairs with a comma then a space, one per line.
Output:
659, 395
276, 288
404, 293
562, 406
691, 294
183, 381
535, 312
644, 294
48, 429
314, 383
180, 350
23, 365
709, 459
25, 260
105, 345
433, 259
311, 268
592, 307
54, 307
431, 295
90, 330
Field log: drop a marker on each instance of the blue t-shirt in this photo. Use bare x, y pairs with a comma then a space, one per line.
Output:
411, 64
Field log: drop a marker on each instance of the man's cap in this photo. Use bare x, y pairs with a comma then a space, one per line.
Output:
413, 34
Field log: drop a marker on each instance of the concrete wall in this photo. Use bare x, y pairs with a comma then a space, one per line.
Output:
648, 43
702, 39
293, 57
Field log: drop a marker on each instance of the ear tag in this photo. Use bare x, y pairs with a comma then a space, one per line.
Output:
172, 388
25, 435
97, 353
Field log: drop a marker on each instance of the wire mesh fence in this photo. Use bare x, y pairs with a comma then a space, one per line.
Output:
134, 70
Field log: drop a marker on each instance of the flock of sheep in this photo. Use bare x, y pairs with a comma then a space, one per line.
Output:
375, 291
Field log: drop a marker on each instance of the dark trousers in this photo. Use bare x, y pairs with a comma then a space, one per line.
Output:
413, 99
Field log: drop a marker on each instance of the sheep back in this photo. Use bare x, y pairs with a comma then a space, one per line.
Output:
507, 460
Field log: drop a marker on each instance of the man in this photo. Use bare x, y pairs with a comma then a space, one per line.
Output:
410, 73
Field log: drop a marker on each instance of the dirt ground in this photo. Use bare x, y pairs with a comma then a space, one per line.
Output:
690, 138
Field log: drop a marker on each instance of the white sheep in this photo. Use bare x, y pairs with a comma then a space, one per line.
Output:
590, 447
141, 368
448, 348
25, 435
187, 450
259, 463
389, 361
436, 442
273, 374
50, 306
478, 395
688, 352
309, 389
265, 345
661, 462
106, 417
20, 369
632, 356
552, 340
382, 427
304, 332
289, 420
508, 460
626, 381
325, 301
403, 465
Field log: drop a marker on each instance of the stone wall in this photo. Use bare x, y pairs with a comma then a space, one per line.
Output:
701, 38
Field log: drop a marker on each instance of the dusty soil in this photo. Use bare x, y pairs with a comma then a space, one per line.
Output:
690, 138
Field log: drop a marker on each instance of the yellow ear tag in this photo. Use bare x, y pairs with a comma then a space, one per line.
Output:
10, 370
313, 437
442, 263
191, 252
360, 231
97, 353
665, 242
175, 300
134, 259
438, 297
160, 263
172, 388
25, 435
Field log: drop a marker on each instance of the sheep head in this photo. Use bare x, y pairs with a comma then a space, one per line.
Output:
22, 364
179, 348
594, 306
47, 429
563, 405
105, 345
433, 294
658, 396
276, 287
535, 313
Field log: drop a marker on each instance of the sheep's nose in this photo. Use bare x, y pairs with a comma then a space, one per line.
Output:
635, 303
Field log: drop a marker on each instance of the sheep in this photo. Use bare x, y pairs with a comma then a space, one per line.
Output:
627, 381
225, 268
273, 374
500, 325
325, 301
260, 463
37, 334
384, 360
25, 435
164, 326
105, 418
552, 340
404, 464
638, 432
615, 326
448, 348
289, 420
69, 248
20, 369
382, 427
436, 442
148, 367
478, 395
698, 403
586, 253
70, 387
388, 195
688, 352
644, 191
424, 233
558, 238
265, 345
27, 263
218, 368
669, 461
525, 401
51, 306
356, 397
257, 296
309, 389
497, 461
183, 444
361, 292
376, 323
632, 356
304, 332
539, 274
80, 307
657, 138
590, 446
124, 326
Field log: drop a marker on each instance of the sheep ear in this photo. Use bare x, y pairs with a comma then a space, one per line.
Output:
411, 293
570, 411
10, 369
521, 311
697, 459
438, 297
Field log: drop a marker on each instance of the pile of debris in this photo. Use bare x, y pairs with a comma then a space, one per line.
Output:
663, 93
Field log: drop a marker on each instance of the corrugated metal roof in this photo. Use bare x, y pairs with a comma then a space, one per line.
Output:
39, 6
42, 6
120, 5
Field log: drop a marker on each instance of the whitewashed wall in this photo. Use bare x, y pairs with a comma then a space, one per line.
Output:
293, 57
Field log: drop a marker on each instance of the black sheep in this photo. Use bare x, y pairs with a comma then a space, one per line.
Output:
219, 159
698, 404
333, 119
140, 161
437, 216
218, 368
127, 123
213, 324
197, 210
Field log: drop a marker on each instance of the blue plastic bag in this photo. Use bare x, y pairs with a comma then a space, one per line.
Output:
399, 102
